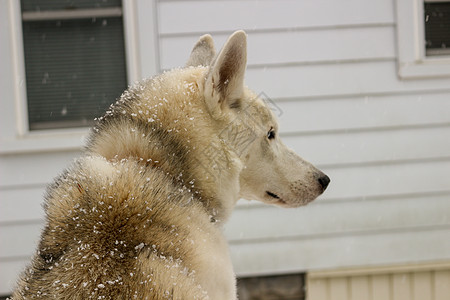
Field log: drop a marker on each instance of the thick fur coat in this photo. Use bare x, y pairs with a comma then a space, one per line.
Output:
140, 214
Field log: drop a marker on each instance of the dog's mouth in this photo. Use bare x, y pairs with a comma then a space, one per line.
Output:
275, 196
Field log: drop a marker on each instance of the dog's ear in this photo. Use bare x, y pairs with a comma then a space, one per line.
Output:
224, 83
203, 52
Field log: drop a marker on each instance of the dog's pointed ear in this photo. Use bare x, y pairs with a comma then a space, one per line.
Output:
224, 83
203, 52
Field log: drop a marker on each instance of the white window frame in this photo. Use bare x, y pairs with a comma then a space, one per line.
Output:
412, 61
136, 43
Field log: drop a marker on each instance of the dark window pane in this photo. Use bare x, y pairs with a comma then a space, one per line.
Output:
437, 28
74, 69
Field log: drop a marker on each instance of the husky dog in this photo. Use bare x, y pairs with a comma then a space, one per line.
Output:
140, 214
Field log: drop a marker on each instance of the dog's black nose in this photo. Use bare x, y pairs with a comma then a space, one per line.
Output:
324, 181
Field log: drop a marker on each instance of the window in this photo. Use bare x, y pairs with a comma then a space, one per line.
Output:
437, 28
423, 37
75, 60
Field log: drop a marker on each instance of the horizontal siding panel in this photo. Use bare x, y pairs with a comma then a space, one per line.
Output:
312, 221
306, 117
342, 218
335, 79
294, 46
372, 146
348, 148
295, 256
33, 168
389, 179
213, 16
346, 113
13, 201
347, 182
10, 273
19, 240
291, 256
315, 220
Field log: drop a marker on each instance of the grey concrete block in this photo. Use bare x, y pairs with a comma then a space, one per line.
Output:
284, 287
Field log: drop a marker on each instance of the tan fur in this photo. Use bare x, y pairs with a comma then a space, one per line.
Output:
140, 214
203, 52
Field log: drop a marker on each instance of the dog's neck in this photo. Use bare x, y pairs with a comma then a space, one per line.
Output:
175, 136
216, 189
211, 176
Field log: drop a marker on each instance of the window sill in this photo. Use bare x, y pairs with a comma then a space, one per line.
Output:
45, 141
430, 68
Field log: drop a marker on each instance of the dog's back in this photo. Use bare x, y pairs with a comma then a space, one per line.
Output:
117, 231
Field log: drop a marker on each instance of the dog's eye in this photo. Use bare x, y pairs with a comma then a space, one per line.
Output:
271, 134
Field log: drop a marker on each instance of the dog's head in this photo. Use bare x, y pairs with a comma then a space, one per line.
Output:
271, 172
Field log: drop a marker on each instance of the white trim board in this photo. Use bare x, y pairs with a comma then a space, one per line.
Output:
412, 61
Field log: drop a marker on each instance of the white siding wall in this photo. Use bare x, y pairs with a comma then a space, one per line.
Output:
331, 67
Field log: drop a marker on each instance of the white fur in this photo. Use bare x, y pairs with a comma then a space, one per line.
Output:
197, 135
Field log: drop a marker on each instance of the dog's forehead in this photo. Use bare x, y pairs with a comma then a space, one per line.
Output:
258, 108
